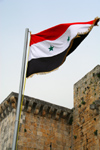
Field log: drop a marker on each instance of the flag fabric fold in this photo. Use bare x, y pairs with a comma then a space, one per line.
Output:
49, 48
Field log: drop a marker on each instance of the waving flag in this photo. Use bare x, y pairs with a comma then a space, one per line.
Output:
49, 48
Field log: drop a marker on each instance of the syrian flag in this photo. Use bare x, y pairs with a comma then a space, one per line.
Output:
49, 48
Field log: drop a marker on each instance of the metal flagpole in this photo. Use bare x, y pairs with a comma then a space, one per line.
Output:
20, 89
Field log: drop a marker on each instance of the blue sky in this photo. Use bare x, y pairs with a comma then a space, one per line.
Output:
37, 15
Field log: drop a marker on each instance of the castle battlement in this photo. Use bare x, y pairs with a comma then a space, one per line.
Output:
35, 106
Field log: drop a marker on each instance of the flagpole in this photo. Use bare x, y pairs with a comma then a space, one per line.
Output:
20, 89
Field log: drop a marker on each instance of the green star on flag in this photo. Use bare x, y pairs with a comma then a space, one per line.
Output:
51, 48
68, 38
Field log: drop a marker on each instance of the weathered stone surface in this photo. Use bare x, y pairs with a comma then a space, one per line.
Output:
86, 117
45, 126
92, 106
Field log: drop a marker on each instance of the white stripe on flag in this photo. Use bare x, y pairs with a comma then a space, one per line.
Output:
41, 49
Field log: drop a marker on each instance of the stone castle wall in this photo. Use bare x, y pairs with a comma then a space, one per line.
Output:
86, 123
45, 126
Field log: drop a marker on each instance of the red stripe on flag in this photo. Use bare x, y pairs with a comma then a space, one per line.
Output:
54, 32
